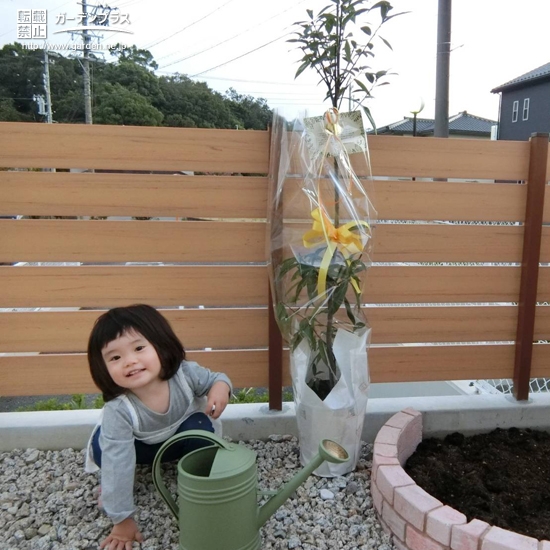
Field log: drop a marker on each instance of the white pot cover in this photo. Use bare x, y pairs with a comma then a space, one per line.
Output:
341, 415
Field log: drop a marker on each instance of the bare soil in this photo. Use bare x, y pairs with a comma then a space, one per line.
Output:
501, 477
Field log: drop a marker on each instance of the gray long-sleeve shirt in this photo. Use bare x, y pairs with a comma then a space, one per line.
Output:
121, 424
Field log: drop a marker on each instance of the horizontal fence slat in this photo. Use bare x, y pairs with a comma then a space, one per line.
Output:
131, 241
439, 242
540, 366
68, 374
24, 375
399, 156
68, 331
542, 323
247, 328
432, 284
158, 195
101, 286
543, 287
442, 324
426, 363
425, 201
446, 243
413, 200
216, 241
98, 286
132, 148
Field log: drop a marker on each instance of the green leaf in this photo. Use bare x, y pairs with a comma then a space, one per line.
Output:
349, 311
337, 298
347, 50
386, 42
367, 30
367, 112
362, 86
302, 68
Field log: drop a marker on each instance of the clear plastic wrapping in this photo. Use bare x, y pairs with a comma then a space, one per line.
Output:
320, 236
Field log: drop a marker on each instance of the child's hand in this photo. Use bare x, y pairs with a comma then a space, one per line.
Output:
122, 536
218, 397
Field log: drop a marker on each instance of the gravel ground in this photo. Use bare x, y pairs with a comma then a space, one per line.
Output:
48, 502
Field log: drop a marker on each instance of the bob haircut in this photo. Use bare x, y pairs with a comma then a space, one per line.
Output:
150, 324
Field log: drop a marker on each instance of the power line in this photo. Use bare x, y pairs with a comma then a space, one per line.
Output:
228, 39
247, 80
240, 56
190, 25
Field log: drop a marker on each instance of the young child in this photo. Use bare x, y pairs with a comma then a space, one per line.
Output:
151, 393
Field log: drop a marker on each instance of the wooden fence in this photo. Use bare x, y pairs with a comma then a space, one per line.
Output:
206, 254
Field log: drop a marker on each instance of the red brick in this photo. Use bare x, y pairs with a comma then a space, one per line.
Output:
467, 537
377, 497
500, 539
379, 460
399, 545
383, 449
399, 420
394, 521
418, 541
414, 504
409, 439
440, 522
388, 435
412, 412
385, 527
389, 478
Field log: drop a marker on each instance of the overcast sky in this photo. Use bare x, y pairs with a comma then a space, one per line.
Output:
492, 42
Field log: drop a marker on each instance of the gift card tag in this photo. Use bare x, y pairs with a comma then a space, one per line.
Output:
320, 140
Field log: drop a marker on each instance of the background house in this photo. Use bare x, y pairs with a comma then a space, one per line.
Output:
525, 104
462, 125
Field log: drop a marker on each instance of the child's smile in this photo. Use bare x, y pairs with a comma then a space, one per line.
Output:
132, 361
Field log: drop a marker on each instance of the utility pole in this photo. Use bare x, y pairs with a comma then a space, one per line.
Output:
441, 125
86, 65
49, 117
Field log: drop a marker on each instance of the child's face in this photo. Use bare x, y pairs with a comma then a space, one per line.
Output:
132, 361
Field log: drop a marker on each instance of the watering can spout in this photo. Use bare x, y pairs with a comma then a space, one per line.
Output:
329, 451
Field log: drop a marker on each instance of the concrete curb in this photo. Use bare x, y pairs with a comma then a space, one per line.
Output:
441, 415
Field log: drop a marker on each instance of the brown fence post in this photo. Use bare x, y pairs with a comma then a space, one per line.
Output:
536, 184
274, 226
275, 360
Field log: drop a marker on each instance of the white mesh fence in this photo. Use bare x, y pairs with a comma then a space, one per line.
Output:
505, 385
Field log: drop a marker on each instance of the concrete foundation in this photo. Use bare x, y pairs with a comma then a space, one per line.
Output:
468, 414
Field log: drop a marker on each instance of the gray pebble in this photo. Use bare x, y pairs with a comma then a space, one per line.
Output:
54, 507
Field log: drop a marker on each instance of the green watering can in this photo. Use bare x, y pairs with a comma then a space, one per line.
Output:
217, 492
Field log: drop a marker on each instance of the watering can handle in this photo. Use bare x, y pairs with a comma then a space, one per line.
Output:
157, 476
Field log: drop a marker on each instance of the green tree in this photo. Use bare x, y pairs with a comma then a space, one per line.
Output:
331, 50
20, 79
171, 101
66, 86
144, 58
115, 104
253, 113
133, 77
194, 104
343, 65
8, 112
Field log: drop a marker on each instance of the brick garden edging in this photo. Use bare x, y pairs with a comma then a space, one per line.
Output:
415, 519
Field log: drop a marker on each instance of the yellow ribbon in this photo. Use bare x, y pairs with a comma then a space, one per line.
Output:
341, 237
